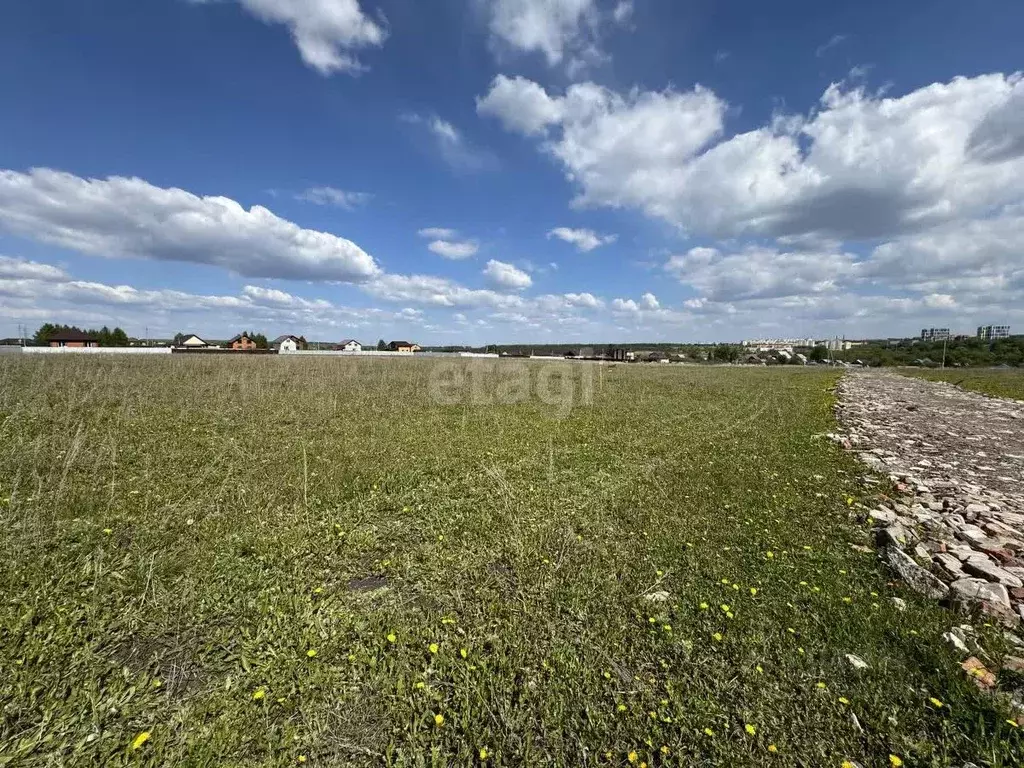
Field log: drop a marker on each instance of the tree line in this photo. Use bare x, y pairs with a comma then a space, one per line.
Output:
105, 337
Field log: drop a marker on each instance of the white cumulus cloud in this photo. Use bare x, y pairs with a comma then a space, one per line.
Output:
326, 32
584, 239
521, 104
446, 243
130, 218
453, 250
22, 269
506, 276
861, 165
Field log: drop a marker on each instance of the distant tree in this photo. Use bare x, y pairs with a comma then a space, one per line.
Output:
381, 345
726, 353
179, 339
261, 340
819, 354
46, 330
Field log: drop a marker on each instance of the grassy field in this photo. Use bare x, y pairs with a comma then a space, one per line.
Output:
273, 562
997, 382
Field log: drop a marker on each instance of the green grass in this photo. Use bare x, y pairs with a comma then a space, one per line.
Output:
178, 536
997, 382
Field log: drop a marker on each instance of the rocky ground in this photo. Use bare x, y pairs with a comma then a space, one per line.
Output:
955, 531
958, 458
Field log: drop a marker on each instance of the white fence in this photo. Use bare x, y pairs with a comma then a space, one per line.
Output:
340, 353
94, 350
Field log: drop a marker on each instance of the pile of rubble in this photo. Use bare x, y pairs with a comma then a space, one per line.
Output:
957, 458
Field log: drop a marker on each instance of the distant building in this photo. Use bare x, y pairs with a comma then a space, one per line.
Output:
773, 345
72, 339
241, 341
402, 346
349, 345
288, 343
194, 342
935, 334
993, 332
835, 345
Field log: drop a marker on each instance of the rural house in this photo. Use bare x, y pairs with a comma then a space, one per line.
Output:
241, 341
349, 345
288, 343
193, 342
72, 339
403, 346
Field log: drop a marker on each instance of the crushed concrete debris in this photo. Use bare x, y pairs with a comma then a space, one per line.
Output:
957, 527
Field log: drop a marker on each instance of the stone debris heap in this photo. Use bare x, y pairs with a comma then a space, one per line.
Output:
957, 458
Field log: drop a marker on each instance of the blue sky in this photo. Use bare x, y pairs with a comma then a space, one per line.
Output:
474, 171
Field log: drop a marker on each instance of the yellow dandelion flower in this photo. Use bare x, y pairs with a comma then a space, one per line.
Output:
318, 591
632, 757
301, 759
664, 749
772, 748
351, 657
847, 599
847, 764
258, 694
108, 531
484, 754
463, 653
725, 608
438, 719
753, 591
660, 573
717, 636
311, 652
730, 615
820, 684
816, 589
704, 606
392, 638
736, 587
433, 647
800, 650
667, 627
769, 554
759, 669
141, 739
791, 630
725, 581
709, 732
843, 700
936, 703
420, 685
750, 729
803, 583
621, 708
894, 761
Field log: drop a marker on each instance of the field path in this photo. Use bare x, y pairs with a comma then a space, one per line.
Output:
960, 458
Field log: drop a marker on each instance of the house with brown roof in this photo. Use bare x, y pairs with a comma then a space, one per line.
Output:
288, 343
403, 346
72, 338
241, 341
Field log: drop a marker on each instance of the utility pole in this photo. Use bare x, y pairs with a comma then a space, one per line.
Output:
943, 354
